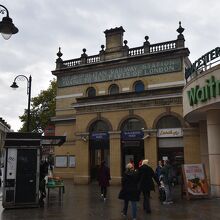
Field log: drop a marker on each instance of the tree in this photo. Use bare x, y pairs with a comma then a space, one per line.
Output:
42, 109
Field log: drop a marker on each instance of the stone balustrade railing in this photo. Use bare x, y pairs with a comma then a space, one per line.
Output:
146, 49
70, 63
136, 51
169, 45
93, 59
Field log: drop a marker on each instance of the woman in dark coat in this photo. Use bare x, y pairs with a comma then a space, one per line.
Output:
103, 178
146, 183
129, 191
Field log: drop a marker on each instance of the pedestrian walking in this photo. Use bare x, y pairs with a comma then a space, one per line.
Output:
167, 180
159, 168
42, 181
146, 183
129, 190
103, 179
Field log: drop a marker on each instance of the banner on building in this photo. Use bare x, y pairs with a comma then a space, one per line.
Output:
195, 180
170, 132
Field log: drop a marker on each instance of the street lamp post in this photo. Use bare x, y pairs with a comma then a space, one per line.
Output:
15, 86
7, 28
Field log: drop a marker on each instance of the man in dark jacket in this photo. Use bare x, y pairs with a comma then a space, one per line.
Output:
103, 178
167, 179
129, 191
146, 184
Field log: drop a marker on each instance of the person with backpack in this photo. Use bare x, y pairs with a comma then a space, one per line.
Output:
167, 178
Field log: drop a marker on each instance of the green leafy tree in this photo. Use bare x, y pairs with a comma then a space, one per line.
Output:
42, 109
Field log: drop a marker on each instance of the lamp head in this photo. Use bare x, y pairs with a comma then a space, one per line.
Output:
14, 85
7, 28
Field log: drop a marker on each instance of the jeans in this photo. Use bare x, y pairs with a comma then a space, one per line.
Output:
133, 208
104, 191
146, 203
168, 192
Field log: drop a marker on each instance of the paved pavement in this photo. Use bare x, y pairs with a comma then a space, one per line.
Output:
84, 203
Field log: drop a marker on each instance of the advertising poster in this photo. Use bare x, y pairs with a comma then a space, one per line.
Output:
72, 161
11, 163
61, 161
195, 180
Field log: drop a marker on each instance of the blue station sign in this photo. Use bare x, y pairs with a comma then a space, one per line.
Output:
99, 136
132, 135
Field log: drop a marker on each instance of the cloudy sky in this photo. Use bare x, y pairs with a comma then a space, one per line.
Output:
45, 25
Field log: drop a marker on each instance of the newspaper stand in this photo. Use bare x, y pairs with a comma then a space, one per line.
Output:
21, 173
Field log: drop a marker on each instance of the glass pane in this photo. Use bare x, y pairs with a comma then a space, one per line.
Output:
132, 124
169, 122
91, 92
99, 126
139, 86
113, 89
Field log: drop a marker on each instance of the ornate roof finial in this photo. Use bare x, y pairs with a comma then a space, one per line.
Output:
180, 29
84, 55
146, 38
125, 42
102, 47
84, 50
59, 54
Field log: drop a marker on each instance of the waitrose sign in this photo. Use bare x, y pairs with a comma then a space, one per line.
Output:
201, 94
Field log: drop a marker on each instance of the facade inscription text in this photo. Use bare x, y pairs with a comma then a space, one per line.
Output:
139, 70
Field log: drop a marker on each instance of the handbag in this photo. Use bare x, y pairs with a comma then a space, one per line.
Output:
122, 194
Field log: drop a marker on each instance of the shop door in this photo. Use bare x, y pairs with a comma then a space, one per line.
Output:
26, 176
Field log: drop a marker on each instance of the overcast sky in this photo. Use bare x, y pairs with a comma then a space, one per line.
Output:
45, 25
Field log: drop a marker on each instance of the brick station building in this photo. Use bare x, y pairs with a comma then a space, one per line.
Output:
122, 104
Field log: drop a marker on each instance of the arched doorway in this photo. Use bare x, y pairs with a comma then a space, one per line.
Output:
132, 143
170, 142
98, 146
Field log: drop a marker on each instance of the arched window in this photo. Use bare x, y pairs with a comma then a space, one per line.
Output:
113, 89
91, 92
139, 86
169, 121
132, 124
99, 126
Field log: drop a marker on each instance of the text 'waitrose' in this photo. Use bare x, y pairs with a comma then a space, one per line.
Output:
202, 94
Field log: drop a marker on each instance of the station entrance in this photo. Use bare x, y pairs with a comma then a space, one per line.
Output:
170, 143
98, 147
132, 143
